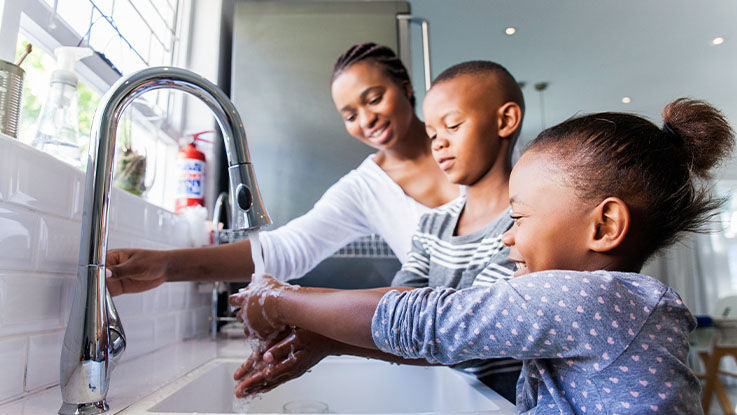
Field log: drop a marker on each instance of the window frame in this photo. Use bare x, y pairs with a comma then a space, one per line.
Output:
31, 17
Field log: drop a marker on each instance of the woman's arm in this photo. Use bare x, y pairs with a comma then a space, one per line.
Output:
289, 251
136, 270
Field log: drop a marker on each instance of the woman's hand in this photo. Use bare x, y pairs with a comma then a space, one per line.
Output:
258, 307
287, 357
135, 270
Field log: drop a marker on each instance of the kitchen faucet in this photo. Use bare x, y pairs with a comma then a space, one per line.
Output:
94, 338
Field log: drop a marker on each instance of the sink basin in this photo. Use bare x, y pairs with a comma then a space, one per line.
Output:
348, 385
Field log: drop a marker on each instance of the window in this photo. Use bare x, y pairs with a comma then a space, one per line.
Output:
126, 35
132, 34
37, 67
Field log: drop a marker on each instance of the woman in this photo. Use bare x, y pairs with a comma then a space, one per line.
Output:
385, 195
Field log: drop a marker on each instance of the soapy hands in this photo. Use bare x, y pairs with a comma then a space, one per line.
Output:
288, 356
134, 270
283, 352
258, 307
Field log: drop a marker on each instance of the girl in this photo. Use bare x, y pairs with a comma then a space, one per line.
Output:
385, 195
592, 198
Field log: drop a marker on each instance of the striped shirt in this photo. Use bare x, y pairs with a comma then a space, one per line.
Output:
441, 259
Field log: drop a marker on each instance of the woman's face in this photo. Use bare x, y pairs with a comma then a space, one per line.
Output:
374, 108
551, 223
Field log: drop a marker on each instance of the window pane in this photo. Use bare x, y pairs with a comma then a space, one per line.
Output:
38, 67
105, 6
155, 21
101, 35
132, 26
77, 13
168, 12
130, 35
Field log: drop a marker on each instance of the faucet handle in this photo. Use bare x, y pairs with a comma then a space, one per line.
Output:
116, 334
246, 206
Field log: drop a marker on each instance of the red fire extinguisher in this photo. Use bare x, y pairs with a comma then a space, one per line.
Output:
191, 174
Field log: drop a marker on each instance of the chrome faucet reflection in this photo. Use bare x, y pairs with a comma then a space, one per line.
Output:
94, 339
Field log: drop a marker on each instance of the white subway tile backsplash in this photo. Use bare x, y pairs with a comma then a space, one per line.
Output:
44, 352
177, 230
156, 300
129, 305
178, 293
155, 221
78, 197
13, 364
17, 237
140, 336
201, 320
31, 302
116, 240
128, 212
166, 330
41, 202
42, 182
70, 285
7, 166
58, 245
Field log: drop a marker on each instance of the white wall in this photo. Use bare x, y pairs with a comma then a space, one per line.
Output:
40, 224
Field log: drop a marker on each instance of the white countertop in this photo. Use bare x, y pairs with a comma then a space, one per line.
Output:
136, 378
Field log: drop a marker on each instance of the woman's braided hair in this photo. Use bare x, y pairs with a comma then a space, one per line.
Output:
380, 55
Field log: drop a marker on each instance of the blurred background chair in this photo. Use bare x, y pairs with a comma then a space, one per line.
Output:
711, 344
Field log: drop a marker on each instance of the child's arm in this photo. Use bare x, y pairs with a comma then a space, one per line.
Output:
555, 314
543, 315
343, 315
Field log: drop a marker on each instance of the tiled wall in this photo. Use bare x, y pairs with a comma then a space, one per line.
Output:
40, 224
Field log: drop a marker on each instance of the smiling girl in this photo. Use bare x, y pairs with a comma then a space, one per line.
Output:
592, 198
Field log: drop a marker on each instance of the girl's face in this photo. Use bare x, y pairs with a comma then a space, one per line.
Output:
551, 224
374, 108
461, 121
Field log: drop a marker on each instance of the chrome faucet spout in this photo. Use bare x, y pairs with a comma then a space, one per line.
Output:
94, 338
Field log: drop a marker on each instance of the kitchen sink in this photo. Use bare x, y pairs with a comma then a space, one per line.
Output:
345, 384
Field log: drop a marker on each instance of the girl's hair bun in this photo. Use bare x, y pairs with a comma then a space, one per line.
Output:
703, 132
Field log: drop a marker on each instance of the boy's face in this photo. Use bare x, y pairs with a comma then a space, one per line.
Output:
462, 122
550, 222
374, 108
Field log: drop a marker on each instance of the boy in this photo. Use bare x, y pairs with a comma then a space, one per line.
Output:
473, 114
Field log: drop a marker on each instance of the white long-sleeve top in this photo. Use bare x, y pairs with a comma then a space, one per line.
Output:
365, 201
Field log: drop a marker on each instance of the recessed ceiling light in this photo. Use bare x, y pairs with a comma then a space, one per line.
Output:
626, 100
717, 41
510, 30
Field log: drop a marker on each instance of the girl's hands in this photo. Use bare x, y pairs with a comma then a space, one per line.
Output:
287, 357
259, 308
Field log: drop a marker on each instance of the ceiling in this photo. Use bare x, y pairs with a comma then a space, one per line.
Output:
592, 53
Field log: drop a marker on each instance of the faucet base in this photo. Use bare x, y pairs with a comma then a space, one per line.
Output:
83, 408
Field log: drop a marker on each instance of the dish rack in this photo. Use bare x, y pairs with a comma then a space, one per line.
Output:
371, 246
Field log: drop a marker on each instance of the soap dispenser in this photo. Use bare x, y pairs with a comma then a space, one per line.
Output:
57, 131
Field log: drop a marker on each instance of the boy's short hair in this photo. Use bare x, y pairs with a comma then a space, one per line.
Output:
511, 91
